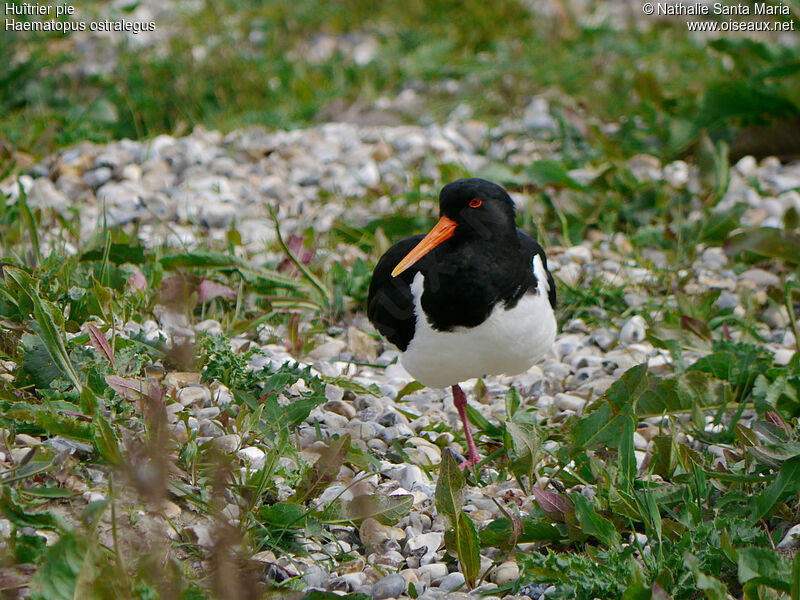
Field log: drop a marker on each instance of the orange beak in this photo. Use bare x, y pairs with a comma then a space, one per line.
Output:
443, 230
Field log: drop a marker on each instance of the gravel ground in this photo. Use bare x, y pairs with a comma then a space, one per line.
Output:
191, 189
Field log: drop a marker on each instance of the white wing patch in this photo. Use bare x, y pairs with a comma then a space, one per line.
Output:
543, 286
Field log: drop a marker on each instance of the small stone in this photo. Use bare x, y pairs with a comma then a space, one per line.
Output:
170, 510
391, 586
315, 577
210, 429
412, 476
422, 452
180, 379
254, 456
783, 356
207, 413
424, 543
726, 300
639, 442
452, 582
506, 573
761, 278
97, 177
570, 274
340, 407
677, 173
374, 535
570, 402
434, 572
603, 338
194, 394
333, 393
634, 330
199, 534
747, 166
776, 317
328, 350
23, 439
791, 538
228, 443
361, 345
579, 254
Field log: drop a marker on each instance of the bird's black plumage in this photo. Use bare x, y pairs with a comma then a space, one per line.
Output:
486, 261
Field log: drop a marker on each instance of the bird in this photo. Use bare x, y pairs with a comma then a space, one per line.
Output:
473, 297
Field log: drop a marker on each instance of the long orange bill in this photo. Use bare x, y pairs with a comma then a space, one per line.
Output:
443, 230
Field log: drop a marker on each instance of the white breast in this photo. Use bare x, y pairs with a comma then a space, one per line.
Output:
508, 341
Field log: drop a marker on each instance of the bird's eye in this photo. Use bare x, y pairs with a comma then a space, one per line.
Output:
475, 202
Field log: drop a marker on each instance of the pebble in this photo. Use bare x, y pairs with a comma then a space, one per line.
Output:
506, 573
633, 331
452, 582
194, 395
570, 402
424, 543
390, 586
791, 538
255, 457
433, 572
228, 443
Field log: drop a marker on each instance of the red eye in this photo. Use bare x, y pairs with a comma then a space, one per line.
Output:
475, 202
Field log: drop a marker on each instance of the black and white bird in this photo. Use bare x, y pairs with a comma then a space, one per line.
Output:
473, 297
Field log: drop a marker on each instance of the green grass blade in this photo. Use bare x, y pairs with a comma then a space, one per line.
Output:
30, 224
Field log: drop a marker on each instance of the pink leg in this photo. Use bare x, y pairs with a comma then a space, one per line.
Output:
460, 400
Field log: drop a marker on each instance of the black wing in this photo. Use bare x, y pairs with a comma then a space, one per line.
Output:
531, 248
390, 306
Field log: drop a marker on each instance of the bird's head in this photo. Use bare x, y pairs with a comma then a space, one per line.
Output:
467, 208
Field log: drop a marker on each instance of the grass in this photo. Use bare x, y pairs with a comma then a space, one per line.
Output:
662, 87
701, 517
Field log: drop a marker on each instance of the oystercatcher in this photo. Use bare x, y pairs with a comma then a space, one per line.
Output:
473, 297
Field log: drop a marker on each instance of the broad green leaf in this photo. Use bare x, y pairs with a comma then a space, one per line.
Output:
286, 515
600, 426
550, 172
512, 402
44, 313
67, 571
556, 506
526, 443
594, 524
128, 388
765, 242
681, 393
100, 343
796, 577
713, 587
764, 566
116, 253
37, 361
469, 555
627, 458
47, 492
624, 393
323, 472
30, 224
106, 442
480, 422
450, 488
21, 518
787, 482
409, 388
204, 260
498, 533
